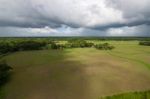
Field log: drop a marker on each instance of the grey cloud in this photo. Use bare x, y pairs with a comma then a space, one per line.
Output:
86, 13
120, 25
132, 10
87, 17
54, 13
141, 30
20, 13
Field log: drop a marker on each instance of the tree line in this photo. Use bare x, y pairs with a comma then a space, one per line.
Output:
13, 46
76, 43
23, 45
145, 43
104, 46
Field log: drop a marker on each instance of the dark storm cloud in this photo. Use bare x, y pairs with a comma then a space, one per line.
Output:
21, 13
120, 25
95, 17
39, 13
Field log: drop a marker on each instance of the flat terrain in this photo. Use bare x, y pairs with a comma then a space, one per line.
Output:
79, 73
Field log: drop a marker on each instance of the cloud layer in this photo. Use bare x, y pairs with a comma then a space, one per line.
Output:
74, 18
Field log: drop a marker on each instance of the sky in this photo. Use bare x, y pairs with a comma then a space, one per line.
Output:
74, 18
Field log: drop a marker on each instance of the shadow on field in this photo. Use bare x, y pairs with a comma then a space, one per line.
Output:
46, 75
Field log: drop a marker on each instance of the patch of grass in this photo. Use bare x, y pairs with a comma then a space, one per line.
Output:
131, 95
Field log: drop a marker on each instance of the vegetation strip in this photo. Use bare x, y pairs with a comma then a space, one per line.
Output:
131, 95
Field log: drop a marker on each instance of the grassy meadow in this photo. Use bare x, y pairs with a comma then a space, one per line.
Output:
79, 73
131, 95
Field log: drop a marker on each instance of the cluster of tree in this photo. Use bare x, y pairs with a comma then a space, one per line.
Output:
76, 43
7, 47
5, 70
104, 46
83, 44
53, 45
23, 45
30, 45
146, 43
69, 44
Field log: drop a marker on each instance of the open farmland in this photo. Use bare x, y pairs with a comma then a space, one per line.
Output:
78, 73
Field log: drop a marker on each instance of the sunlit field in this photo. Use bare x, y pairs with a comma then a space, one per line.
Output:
79, 73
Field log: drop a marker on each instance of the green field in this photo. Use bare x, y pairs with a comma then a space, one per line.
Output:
130, 95
79, 73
